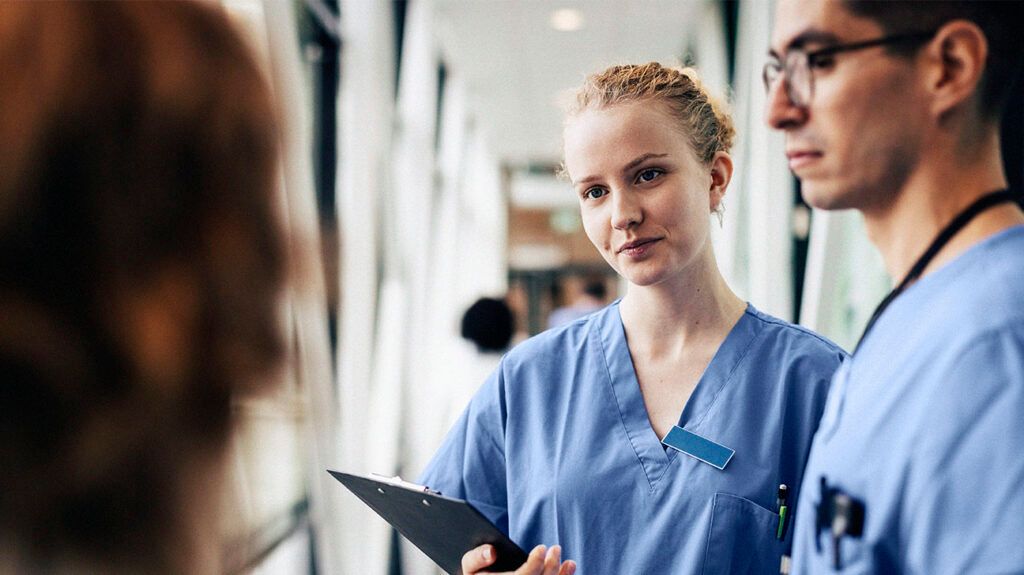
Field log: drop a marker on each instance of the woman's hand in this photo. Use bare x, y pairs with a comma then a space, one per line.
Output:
538, 563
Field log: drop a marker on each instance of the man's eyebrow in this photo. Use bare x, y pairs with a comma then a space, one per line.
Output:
632, 164
811, 36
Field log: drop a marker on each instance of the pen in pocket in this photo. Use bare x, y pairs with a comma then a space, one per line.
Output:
780, 531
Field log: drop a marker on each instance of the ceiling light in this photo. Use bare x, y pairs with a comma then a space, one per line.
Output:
567, 20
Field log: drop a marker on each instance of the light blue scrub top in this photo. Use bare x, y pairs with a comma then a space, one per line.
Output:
925, 425
557, 448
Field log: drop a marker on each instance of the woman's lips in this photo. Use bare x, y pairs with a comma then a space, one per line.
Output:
638, 248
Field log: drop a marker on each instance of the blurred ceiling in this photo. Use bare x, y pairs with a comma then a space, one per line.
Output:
519, 70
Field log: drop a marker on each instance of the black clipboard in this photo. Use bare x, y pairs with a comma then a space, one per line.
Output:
442, 527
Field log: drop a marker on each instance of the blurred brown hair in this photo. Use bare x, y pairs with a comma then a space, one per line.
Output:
140, 266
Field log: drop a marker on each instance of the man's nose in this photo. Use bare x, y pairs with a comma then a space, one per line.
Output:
780, 111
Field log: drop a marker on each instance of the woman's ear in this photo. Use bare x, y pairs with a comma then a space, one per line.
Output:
721, 175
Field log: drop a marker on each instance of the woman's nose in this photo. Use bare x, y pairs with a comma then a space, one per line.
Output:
626, 211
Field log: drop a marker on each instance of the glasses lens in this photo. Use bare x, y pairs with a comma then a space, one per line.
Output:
798, 78
770, 75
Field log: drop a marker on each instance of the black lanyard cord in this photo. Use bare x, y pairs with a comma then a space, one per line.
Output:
962, 219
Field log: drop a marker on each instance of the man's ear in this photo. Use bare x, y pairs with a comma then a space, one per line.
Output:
957, 54
721, 175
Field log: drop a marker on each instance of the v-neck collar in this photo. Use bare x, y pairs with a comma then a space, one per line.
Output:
626, 388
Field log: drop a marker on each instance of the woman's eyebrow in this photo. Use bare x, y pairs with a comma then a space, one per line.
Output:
641, 159
629, 166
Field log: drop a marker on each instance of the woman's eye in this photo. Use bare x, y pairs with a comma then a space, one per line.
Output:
648, 175
593, 193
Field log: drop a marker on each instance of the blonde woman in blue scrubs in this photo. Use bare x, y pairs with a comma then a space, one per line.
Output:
563, 445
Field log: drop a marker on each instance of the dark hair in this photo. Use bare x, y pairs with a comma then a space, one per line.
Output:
489, 324
595, 287
999, 20
137, 157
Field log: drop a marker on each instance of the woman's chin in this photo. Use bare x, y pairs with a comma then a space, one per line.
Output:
643, 278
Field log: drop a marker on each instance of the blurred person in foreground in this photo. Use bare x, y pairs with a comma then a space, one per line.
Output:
893, 109
141, 264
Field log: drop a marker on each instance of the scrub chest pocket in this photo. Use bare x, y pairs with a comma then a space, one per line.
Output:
741, 538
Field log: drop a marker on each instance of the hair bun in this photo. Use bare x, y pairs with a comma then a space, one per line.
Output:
704, 118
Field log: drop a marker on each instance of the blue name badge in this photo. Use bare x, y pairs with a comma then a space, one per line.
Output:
698, 447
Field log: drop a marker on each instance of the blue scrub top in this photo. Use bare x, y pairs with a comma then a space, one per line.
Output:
557, 448
925, 426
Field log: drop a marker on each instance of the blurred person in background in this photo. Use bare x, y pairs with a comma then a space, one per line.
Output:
141, 264
653, 435
488, 324
487, 328
588, 300
518, 301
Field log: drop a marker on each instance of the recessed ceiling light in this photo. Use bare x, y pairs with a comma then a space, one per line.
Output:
567, 19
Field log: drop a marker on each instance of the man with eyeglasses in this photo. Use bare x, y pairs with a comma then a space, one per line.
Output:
893, 109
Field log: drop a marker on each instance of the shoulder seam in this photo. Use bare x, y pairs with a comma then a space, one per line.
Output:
785, 324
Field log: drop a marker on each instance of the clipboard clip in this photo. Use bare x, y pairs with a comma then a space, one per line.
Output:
399, 482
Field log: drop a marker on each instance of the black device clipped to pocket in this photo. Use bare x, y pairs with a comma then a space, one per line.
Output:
841, 515
444, 528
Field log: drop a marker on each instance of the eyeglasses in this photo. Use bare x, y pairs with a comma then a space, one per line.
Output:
798, 65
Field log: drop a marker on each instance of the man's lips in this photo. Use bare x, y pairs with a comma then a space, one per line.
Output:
801, 158
636, 245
